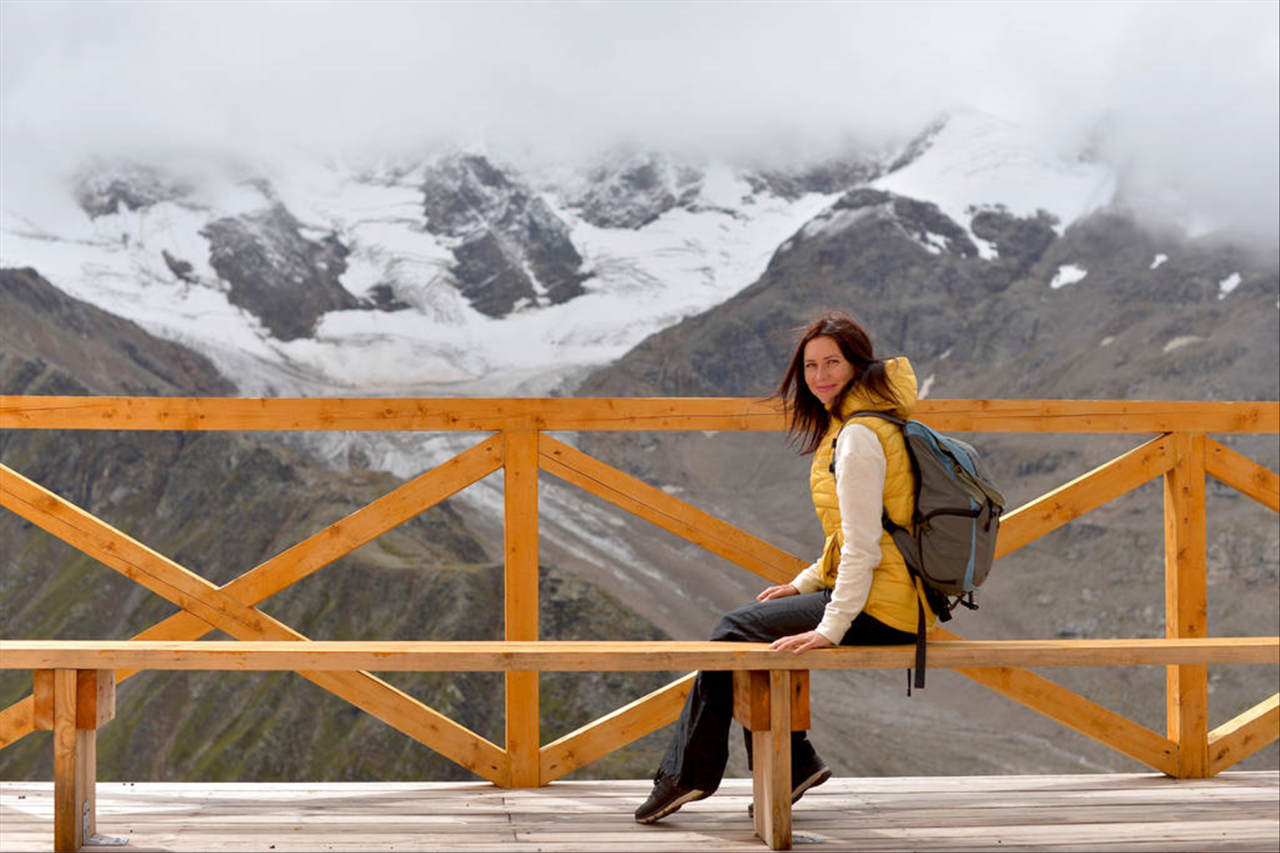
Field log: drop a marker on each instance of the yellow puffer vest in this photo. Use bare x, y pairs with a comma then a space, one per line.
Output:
893, 594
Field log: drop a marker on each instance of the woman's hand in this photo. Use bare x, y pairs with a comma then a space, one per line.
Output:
780, 591
801, 642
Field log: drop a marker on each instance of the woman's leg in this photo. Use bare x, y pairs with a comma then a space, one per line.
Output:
866, 630
699, 747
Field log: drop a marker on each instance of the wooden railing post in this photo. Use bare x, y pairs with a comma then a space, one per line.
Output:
74, 767
1186, 608
521, 598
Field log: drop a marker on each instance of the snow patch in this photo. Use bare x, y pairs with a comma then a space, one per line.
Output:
978, 161
1182, 341
1107, 341
1158, 260
924, 389
1228, 284
1068, 274
936, 243
834, 221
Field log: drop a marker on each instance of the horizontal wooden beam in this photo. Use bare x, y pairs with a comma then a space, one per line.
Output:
612, 413
617, 655
398, 414
1099, 416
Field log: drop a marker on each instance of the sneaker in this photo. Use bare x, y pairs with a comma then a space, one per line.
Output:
667, 796
812, 778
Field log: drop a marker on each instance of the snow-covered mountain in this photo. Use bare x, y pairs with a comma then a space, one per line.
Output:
462, 275
457, 276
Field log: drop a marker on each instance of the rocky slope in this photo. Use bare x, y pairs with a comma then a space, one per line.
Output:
220, 503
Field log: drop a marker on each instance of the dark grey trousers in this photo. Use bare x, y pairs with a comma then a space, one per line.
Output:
699, 748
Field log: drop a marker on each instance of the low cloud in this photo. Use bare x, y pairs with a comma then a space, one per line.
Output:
1182, 96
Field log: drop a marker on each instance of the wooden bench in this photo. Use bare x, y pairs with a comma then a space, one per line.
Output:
75, 685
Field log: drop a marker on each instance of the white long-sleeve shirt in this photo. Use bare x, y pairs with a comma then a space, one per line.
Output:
860, 473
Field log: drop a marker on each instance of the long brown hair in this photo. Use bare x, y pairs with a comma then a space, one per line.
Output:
809, 417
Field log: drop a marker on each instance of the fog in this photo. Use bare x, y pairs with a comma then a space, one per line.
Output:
1184, 98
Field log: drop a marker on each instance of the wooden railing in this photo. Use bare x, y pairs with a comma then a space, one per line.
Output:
1181, 452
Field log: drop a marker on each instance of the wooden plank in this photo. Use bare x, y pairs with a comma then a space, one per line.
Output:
86, 782
67, 828
1243, 474
800, 717
415, 719
317, 656
1098, 416
217, 607
1244, 734
1186, 602
1237, 811
622, 413
398, 414
42, 696
773, 766
614, 730
95, 698
521, 601
1080, 714
668, 512
1070, 709
1084, 494
751, 699
17, 721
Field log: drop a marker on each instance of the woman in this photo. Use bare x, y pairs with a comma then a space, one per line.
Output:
859, 592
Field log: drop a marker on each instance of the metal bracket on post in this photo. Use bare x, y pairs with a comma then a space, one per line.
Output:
98, 840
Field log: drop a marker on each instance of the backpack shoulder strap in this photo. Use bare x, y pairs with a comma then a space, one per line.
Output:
867, 413
875, 414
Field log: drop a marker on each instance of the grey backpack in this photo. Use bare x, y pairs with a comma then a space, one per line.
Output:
952, 540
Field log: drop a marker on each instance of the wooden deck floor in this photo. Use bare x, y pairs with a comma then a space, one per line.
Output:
1113, 812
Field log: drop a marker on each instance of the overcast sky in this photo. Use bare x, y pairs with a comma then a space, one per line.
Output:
1185, 96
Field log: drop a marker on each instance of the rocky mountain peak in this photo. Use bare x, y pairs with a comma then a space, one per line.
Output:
919, 144
826, 177
284, 278
511, 249
102, 188
632, 190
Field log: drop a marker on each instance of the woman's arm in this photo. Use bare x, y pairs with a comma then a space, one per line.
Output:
860, 472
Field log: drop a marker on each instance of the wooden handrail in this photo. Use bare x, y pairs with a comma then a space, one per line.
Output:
612, 413
616, 656
1180, 452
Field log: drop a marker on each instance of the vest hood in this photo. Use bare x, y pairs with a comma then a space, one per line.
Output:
903, 380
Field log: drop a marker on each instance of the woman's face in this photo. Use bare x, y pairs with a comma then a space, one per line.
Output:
826, 371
